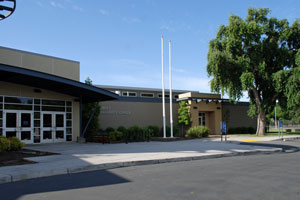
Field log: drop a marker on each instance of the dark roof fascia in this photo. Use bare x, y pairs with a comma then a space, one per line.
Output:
141, 99
50, 77
202, 99
224, 101
140, 89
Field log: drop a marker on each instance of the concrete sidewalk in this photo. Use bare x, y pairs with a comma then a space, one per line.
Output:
233, 138
76, 157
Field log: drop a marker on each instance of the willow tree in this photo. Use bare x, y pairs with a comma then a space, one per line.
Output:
245, 56
288, 83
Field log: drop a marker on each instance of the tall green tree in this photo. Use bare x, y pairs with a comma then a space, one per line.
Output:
247, 54
288, 83
184, 116
87, 111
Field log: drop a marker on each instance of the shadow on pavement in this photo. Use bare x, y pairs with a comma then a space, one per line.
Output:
16, 190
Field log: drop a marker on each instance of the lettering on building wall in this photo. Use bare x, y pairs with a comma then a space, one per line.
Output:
106, 110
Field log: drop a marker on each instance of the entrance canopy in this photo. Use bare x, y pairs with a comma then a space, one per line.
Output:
54, 83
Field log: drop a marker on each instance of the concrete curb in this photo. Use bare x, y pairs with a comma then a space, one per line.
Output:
4, 178
288, 139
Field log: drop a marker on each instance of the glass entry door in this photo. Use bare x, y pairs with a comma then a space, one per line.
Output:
53, 127
18, 124
201, 118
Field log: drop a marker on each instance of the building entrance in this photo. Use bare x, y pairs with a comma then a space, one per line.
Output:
19, 124
35, 120
53, 127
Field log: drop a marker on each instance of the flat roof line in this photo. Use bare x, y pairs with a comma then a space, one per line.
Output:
38, 54
140, 88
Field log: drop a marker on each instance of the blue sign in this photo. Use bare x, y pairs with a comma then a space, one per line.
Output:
223, 127
280, 124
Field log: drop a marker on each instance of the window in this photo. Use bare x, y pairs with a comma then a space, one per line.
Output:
176, 96
18, 100
117, 92
201, 118
129, 94
166, 95
53, 102
147, 95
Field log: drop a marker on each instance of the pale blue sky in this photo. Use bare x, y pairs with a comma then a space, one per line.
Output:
118, 41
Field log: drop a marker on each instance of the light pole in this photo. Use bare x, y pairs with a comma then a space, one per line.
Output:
275, 114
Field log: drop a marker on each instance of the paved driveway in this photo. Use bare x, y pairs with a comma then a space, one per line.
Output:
76, 157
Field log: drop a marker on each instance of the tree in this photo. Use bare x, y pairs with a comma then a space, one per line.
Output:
87, 111
184, 117
281, 114
247, 54
288, 83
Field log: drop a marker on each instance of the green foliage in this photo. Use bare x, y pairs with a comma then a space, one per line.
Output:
241, 130
15, 144
197, 132
10, 144
109, 129
246, 55
122, 129
184, 116
168, 131
281, 114
87, 111
175, 130
136, 133
115, 135
4, 144
153, 130
288, 83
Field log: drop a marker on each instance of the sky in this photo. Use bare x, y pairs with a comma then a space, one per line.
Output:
118, 42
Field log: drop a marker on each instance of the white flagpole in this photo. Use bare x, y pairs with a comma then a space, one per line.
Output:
171, 97
163, 86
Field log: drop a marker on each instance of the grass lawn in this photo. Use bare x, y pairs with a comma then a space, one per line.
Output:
268, 134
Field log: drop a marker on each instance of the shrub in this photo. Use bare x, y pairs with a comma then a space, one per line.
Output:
153, 130
109, 129
4, 144
197, 132
15, 144
168, 131
135, 133
175, 130
122, 129
115, 135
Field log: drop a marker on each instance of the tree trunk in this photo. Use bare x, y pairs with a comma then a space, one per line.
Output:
261, 123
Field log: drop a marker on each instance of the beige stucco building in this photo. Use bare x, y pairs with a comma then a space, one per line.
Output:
205, 110
41, 101
143, 107
41, 97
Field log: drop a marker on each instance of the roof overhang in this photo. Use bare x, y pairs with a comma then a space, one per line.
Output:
207, 99
54, 83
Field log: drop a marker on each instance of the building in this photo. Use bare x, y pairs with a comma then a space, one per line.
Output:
143, 107
41, 100
41, 97
136, 106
